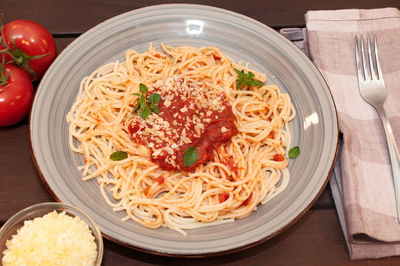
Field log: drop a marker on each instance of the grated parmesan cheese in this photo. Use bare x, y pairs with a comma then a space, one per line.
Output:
54, 239
186, 108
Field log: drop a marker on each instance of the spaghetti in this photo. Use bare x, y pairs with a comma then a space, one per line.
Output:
241, 170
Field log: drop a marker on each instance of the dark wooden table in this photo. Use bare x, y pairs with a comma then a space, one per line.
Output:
316, 239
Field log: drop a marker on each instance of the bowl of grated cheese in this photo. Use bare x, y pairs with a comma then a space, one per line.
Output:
50, 233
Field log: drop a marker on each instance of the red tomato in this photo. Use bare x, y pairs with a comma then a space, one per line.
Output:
31, 41
16, 96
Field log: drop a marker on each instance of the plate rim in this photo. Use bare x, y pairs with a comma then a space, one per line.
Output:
219, 252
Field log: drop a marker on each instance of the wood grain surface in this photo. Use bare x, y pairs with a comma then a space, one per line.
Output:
316, 239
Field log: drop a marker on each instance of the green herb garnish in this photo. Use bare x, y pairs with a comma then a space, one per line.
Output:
246, 79
190, 156
118, 155
294, 152
154, 99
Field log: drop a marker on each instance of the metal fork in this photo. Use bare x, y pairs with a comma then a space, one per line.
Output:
373, 91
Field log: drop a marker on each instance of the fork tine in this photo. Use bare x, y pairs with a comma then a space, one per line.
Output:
359, 73
370, 59
378, 65
363, 63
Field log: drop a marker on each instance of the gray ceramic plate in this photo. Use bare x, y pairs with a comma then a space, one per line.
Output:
314, 129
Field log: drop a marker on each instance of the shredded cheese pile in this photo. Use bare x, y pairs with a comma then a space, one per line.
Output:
54, 239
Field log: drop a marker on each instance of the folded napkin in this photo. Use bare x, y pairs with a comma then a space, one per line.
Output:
362, 186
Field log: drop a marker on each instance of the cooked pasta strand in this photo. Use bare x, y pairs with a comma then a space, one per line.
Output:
243, 174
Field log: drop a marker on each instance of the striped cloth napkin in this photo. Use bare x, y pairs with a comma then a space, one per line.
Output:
362, 185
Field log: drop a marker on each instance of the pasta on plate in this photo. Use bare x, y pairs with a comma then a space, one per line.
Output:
182, 137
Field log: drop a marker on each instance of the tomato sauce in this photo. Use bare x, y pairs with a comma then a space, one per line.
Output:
190, 115
209, 141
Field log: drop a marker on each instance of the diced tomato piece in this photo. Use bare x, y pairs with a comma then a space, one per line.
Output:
231, 165
278, 157
146, 190
223, 197
160, 180
271, 135
247, 201
216, 57
133, 128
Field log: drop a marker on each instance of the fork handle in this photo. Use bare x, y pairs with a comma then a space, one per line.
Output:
394, 156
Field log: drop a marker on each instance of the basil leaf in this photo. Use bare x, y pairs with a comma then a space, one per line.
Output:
237, 84
155, 109
143, 88
118, 155
258, 83
294, 152
136, 107
240, 73
246, 79
143, 101
154, 98
190, 156
145, 113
